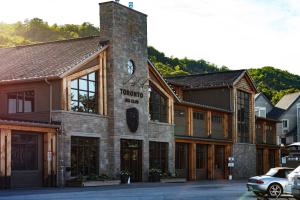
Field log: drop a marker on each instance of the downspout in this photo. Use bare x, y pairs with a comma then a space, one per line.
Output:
50, 99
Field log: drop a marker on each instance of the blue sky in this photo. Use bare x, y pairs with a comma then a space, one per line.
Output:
235, 33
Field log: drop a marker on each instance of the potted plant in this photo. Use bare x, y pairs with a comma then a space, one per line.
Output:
154, 175
124, 175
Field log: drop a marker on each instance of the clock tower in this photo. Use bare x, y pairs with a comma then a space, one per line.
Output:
125, 30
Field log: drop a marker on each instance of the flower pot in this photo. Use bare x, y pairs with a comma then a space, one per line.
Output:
124, 178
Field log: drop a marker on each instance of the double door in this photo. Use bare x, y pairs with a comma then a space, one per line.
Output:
131, 158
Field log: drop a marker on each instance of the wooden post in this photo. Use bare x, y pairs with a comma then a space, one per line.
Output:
266, 165
192, 161
104, 83
264, 132
190, 121
208, 122
211, 162
227, 155
5, 158
49, 159
225, 126
100, 86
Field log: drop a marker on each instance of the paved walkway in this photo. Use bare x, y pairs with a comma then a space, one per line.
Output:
208, 190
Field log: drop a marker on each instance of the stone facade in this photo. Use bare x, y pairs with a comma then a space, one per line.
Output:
126, 32
244, 160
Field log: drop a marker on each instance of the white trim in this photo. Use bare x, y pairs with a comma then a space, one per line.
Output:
288, 124
260, 110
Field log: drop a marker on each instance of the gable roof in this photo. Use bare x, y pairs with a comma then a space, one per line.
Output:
288, 100
264, 96
275, 113
50, 59
209, 80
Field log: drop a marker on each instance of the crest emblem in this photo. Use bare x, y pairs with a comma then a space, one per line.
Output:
132, 119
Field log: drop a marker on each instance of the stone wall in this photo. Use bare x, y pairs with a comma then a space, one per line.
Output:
162, 132
84, 125
244, 160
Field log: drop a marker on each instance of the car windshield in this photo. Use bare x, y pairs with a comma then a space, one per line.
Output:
272, 172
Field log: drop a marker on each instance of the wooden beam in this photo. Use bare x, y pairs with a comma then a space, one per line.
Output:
190, 121
28, 128
266, 165
100, 86
63, 101
105, 81
208, 122
264, 128
225, 125
211, 162
192, 161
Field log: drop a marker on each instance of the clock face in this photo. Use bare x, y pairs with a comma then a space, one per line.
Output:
130, 67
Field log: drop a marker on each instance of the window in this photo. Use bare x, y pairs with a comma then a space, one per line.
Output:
199, 126
201, 156
158, 106
84, 93
84, 156
180, 121
243, 105
158, 156
285, 124
217, 123
261, 111
21, 102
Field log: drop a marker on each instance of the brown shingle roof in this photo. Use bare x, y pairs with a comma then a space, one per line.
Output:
215, 79
45, 59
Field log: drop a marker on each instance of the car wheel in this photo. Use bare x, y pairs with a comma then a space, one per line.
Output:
259, 194
275, 190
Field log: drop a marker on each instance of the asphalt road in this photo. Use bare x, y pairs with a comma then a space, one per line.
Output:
207, 190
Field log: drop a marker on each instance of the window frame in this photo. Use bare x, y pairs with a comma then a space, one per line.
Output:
287, 124
159, 113
87, 91
243, 116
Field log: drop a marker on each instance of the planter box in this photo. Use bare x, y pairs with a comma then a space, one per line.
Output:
100, 183
77, 183
173, 180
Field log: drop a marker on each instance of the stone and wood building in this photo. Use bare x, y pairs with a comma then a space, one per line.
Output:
97, 105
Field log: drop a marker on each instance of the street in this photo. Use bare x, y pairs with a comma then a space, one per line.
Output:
149, 191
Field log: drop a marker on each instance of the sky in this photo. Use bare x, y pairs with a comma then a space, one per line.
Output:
239, 34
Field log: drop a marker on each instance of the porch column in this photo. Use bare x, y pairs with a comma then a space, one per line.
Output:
211, 161
192, 161
49, 159
5, 158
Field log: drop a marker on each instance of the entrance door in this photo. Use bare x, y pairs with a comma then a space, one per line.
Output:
182, 160
219, 162
201, 161
26, 160
131, 158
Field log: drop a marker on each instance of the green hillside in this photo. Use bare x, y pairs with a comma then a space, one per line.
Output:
273, 82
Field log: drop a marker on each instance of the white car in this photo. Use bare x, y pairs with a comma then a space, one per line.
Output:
274, 183
295, 180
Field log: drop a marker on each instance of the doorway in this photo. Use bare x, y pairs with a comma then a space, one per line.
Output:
182, 160
219, 162
131, 158
201, 161
26, 160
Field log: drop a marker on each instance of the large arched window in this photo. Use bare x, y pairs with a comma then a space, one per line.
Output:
158, 106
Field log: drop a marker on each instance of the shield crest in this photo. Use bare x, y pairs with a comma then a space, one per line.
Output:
132, 119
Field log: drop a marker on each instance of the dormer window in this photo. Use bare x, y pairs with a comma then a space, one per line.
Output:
84, 93
261, 112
